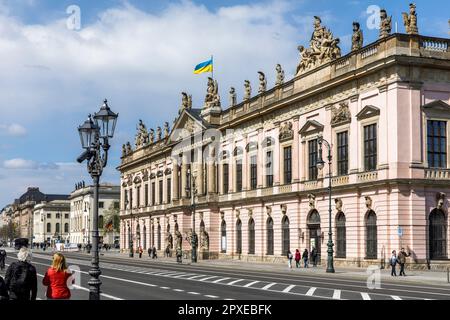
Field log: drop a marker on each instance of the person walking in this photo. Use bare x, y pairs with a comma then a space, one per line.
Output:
289, 256
21, 277
141, 251
150, 252
314, 256
56, 279
155, 256
2, 259
402, 261
297, 258
167, 252
393, 263
3, 290
305, 258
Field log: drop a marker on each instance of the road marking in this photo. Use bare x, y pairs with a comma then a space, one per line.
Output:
250, 284
210, 296
218, 280
337, 294
178, 290
229, 299
165, 288
102, 294
289, 288
207, 278
365, 296
396, 298
202, 275
194, 293
311, 291
234, 282
269, 286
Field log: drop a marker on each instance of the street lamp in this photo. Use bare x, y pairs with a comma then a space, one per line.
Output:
192, 189
130, 230
320, 166
94, 135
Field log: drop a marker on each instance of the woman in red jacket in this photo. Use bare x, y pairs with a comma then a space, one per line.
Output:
56, 279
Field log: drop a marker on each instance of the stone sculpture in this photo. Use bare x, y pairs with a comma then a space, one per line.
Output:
385, 24
233, 97
262, 82
212, 98
280, 75
410, 20
247, 90
357, 38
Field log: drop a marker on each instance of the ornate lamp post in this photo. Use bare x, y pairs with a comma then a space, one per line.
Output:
192, 189
320, 166
130, 231
94, 135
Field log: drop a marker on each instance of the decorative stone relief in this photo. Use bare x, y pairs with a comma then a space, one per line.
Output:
269, 211
338, 202
286, 132
440, 200
283, 209
341, 115
312, 201
238, 213
368, 203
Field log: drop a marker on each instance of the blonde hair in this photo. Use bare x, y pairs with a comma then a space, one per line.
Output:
59, 262
24, 255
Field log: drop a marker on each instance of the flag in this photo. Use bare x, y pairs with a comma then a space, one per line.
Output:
206, 66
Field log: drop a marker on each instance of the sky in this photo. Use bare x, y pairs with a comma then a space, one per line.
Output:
57, 67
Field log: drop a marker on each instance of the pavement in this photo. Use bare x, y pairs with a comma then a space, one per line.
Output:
127, 278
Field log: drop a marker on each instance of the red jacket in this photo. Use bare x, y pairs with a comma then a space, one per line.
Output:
57, 284
297, 256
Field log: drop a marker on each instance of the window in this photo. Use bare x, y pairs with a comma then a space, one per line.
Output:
253, 172
238, 175
169, 190
287, 165
159, 237
58, 216
371, 235
251, 236
223, 242
49, 215
160, 191
342, 153
438, 235
146, 195
238, 236
126, 199
340, 236
116, 205
370, 147
101, 204
66, 228
66, 216
269, 237
145, 238
285, 235
313, 154
100, 222
153, 194
58, 229
269, 169
131, 198
437, 144
225, 178
49, 227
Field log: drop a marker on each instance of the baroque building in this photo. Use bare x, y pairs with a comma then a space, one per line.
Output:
51, 221
384, 108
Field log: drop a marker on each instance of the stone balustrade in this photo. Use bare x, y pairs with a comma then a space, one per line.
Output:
368, 176
438, 174
339, 181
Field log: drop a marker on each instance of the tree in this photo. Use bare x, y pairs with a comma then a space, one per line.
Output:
111, 221
9, 231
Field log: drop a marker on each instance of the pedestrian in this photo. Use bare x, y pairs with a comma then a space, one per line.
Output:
289, 256
56, 279
167, 252
393, 263
140, 252
297, 258
402, 261
305, 258
150, 252
155, 256
2, 259
3, 290
179, 255
21, 277
314, 256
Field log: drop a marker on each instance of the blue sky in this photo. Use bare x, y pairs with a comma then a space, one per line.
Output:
140, 55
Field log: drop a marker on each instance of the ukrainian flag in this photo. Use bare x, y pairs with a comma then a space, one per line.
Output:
203, 67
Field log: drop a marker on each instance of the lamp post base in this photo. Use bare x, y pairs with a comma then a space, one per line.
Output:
330, 261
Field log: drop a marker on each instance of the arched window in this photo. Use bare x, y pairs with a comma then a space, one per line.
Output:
58, 229
159, 237
100, 222
341, 245
371, 235
437, 235
223, 230
66, 228
145, 237
239, 236
285, 236
269, 226
49, 227
251, 236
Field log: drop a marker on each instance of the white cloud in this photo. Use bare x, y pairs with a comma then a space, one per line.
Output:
23, 164
14, 129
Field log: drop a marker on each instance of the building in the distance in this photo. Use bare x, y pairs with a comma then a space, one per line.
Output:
51, 221
81, 204
385, 110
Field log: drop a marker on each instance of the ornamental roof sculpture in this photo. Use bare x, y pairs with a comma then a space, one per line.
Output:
357, 38
280, 75
385, 24
247, 90
262, 82
212, 98
323, 48
186, 102
410, 20
232, 97
141, 135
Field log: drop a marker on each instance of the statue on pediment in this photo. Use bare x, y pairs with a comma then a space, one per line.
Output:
410, 20
280, 75
247, 90
166, 129
158, 133
212, 98
124, 151
357, 38
152, 136
286, 132
186, 102
340, 115
128, 148
233, 97
141, 135
262, 82
385, 24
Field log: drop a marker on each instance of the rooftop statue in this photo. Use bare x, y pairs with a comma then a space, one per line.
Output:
186, 102
385, 24
152, 136
166, 129
357, 38
262, 82
233, 97
410, 20
128, 147
212, 98
280, 75
323, 48
158, 133
247, 90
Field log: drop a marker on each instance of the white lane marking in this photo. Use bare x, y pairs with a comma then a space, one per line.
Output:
250, 284
229, 299
102, 294
289, 288
184, 275
396, 298
337, 294
194, 293
210, 296
178, 290
234, 282
365, 296
165, 288
218, 280
269, 286
207, 278
202, 275
311, 291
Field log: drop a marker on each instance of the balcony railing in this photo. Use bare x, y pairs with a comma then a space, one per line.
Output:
368, 176
286, 188
438, 174
339, 181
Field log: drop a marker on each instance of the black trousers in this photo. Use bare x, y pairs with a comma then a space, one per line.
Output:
393, 272
402, 269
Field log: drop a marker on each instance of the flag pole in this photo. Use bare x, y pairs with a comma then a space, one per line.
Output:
212, 68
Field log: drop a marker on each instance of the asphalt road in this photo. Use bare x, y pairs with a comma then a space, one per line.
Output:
124, 279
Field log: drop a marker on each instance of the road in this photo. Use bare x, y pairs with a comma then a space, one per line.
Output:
125, 279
